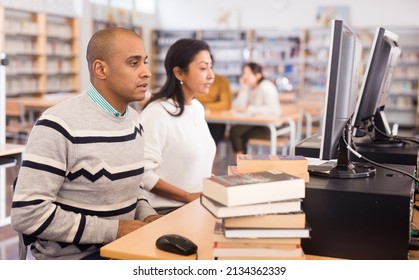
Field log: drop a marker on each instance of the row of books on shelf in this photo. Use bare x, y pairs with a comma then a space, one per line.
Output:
259, 212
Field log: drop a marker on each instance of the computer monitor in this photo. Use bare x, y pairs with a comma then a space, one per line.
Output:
369, 117
340, 103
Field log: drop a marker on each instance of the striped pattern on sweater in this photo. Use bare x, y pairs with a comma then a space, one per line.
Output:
81, 172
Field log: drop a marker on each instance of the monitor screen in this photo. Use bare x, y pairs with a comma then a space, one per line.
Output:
369, 115
340, 102
342, 86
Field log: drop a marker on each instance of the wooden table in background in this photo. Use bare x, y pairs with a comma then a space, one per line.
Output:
11, 149
45, 101
34, 105
277, 126
10, 155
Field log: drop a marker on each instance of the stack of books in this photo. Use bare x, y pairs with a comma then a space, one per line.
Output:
259, 215
227, 248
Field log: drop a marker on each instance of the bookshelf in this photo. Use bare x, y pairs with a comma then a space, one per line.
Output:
105, 16
403, 98
161, 41
279, 52
62, 55
22, 41
230, 51
100, 24
302, 57
315, 52
43, 52
401, 106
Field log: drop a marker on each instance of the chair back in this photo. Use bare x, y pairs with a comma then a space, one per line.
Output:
15, 109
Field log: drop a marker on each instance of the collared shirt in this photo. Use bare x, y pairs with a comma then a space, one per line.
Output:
98, 99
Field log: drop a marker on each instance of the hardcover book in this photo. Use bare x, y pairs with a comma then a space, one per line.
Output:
222, 241
285, 220
293, 165
252, 188
221, 211
267, 232
265, 245
254, 248
295, 252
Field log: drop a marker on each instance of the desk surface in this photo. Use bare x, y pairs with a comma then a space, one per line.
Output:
244, 118
191, 220
11, 149
282, 125
45, 101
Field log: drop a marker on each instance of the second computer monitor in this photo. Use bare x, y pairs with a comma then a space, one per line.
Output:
369, 115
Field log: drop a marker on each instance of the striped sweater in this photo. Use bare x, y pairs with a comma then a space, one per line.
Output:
81, 172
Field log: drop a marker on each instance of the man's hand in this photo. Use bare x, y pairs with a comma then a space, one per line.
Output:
126, 227
192, 196
152, 218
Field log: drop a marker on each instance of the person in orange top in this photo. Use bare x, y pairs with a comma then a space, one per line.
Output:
219, 98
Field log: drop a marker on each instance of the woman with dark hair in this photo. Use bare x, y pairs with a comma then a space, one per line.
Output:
257, 96
179, 149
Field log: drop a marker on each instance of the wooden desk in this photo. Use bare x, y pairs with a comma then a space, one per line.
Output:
277, 126
10, 155
45, 101
11, 149
39, 104
191, 221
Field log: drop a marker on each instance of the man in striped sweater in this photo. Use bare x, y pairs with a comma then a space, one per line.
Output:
80, 184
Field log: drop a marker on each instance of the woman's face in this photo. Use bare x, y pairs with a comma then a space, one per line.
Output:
249, 78
199, 77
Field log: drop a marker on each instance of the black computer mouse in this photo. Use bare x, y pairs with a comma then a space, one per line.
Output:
177, 244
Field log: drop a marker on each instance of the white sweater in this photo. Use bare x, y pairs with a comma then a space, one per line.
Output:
179, 150
262, 100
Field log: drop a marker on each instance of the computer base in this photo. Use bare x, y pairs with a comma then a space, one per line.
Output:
352, 170
382, 143
360, 219
404, 155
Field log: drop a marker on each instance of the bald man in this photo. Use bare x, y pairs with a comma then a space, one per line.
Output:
80, 184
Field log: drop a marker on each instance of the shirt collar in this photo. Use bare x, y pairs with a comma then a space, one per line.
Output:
98, 99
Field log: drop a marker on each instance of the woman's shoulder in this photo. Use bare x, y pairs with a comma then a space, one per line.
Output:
267, 85
159, 104
198, 105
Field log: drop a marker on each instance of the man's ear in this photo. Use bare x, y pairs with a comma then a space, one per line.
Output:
178, 73
100, 69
